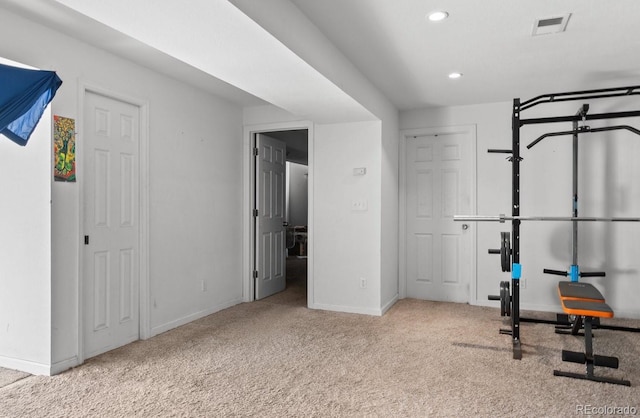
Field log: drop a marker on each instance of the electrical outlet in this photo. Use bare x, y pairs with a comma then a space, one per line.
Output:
363, 283
203, 285
359, 205
523, 283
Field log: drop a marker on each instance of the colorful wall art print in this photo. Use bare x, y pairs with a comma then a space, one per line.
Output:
64, 149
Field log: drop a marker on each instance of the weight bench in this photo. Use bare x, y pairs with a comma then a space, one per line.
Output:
586, 310
576, 291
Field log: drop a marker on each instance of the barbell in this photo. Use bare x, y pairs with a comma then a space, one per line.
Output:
504, 218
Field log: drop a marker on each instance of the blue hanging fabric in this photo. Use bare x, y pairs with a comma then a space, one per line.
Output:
24, 95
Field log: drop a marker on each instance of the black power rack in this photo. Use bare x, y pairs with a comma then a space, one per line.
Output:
511, 250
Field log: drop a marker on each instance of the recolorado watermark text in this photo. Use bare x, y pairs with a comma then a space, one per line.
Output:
606, 410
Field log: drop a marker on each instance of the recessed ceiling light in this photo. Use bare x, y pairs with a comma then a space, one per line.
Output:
437, 16
455, 75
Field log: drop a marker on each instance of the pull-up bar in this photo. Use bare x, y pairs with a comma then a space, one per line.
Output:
584, 130
580, 95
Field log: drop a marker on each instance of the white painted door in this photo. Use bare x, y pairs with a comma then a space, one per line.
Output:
111, 224
270, 229
438, 186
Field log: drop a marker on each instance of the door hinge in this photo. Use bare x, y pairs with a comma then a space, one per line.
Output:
86, 240
255, 212
255, 274
256, 152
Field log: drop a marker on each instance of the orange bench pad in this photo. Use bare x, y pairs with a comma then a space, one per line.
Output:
586, 308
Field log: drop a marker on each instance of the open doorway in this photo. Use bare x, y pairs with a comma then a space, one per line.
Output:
281, 264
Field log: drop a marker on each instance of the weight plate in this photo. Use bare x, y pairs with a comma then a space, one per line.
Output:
508, 298
503, 299
505, 251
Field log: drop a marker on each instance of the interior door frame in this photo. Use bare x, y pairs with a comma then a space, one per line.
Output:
404, 135
249, 182
86, 87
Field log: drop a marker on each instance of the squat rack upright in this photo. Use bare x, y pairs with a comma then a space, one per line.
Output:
517, 123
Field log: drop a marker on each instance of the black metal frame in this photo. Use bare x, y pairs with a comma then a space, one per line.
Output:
517, 123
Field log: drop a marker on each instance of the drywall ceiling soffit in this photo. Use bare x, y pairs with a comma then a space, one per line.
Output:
489, 41
81, 27
216, 38
287, 23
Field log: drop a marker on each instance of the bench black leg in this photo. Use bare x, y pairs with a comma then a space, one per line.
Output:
592, 378
590, 360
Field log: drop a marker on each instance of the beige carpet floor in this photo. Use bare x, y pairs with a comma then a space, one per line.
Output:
276, 358
8, 376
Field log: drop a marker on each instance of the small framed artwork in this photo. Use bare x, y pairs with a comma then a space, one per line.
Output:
64, 149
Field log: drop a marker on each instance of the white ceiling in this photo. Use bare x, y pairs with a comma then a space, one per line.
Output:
390, 42
489, 41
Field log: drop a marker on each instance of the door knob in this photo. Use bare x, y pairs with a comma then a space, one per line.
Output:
465, 227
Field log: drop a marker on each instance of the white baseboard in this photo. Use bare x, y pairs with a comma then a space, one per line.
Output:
25, 366
192, 317
555, 308
61, 366
523, 306
625, 313
38, 368
346, 309
357, 310
389, 304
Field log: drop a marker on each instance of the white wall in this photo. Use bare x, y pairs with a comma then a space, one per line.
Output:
347, 241
389, 165
25, 249
196, 200
609, 186
195, 190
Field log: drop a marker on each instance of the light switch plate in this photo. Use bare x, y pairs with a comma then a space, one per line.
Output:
360, 171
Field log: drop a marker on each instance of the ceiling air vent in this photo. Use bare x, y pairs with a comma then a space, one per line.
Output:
550, 25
